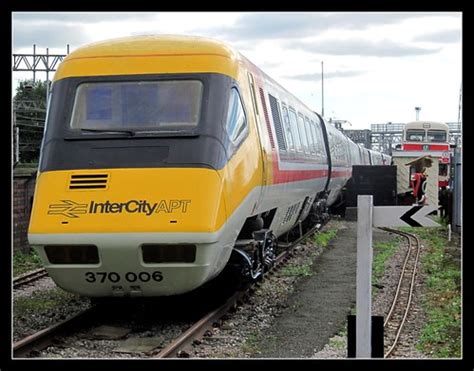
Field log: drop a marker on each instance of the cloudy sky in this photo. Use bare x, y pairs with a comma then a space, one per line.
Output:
377, 66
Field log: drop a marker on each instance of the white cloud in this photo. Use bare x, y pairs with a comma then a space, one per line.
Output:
378, 66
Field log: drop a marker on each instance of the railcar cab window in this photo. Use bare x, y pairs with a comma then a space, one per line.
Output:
236, 121
415, 135
137, 106
438, 136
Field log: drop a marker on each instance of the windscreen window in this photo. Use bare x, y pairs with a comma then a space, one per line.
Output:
145, 105
437, 136
415, 135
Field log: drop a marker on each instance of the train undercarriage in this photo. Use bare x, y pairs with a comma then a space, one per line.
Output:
256, 249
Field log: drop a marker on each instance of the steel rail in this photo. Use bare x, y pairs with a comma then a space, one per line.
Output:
29, 277
411, 285
42, 339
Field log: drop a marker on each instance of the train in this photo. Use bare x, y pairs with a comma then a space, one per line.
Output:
165, 158
429, 138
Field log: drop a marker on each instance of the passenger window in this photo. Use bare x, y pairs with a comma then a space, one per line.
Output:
304, 139
294, 130
288, 134
320, 147
315, 137
309, 134
236, 121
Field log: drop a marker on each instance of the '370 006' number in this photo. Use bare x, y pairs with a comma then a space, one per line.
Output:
115, 277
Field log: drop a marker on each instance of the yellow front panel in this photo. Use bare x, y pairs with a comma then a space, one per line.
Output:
136, 200
130, 65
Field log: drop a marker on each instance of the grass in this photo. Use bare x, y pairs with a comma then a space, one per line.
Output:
441, 337
304, 269
382, 252
24, 262
338, 342
41, 301
296, 270
251, 344
323, 238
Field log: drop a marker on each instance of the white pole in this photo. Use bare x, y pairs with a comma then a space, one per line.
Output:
47, 76
364, 277
322, 89
17, 144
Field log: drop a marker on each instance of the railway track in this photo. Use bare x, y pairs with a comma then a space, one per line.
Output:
29, 277
175, 348
42, 339
400, 308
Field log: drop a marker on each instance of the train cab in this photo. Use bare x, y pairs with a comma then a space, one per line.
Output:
429, 138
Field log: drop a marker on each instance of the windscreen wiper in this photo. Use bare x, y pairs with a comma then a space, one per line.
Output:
130, 132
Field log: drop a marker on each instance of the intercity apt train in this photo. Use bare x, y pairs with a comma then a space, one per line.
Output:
166, 157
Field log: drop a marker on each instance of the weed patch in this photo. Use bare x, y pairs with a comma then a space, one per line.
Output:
24, 262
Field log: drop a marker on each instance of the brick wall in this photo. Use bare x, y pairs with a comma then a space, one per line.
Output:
23, 191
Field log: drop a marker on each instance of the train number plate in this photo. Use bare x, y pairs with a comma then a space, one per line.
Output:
131, 277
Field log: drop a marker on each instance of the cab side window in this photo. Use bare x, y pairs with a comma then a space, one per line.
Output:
236, 120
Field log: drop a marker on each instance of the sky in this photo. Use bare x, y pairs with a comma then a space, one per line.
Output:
378, 66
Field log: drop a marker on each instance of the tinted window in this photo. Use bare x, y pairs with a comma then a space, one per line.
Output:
236, 122
443, 170
301, 129
309, 134
415, 135
437, 136
286, 125
144, 105
294, 130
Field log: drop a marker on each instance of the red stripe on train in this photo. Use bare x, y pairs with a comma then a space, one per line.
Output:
288, 176
422, 147
341, 173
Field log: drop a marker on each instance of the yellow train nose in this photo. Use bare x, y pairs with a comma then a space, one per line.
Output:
131, 200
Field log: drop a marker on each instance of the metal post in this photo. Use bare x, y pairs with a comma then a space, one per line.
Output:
364, 277
47, 76
417, 109
47, 64
322, 89
34, 64
17, 144
457, 191
47, 92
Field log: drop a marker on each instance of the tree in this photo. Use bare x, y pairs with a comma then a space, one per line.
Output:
30, 113
26, 90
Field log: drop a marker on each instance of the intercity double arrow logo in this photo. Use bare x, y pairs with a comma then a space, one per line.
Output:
68, 208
